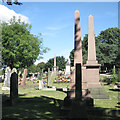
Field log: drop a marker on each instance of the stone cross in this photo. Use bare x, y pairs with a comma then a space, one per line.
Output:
55, 63
13, 86
24, 77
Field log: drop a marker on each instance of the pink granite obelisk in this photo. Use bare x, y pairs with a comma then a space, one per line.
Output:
55, 63
92, 66
77, 51
91, 42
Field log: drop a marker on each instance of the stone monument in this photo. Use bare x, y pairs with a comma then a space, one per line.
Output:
67, 69
49, 81
7, 77
92, 66
24, 77
13, 86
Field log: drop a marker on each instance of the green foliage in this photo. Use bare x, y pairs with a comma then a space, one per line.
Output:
40, 66
107, 44
60, 62
115, 77
20, 47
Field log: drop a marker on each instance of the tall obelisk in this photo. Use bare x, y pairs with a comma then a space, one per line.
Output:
92, 66
55, 63
77, 51
77, 40
91, 42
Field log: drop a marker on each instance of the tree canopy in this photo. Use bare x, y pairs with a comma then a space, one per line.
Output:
20, 47
107, 44
60, 62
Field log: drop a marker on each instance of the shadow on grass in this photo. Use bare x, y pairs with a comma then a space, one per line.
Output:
117, 90
46, 108
33, 108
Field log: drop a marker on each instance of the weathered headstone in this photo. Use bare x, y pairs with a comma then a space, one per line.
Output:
49, 84
67, 70
24, 77
13, 87
7, 77
40, 84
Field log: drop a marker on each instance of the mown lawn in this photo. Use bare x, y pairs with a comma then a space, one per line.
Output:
33, 103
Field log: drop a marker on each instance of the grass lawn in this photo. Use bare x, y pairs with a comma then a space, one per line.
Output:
33, 103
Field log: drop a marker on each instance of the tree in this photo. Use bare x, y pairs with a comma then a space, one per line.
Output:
60, 62
20, 47
40, 66
107, 44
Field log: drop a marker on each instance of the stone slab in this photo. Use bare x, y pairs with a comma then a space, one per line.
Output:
48, 89
5, 88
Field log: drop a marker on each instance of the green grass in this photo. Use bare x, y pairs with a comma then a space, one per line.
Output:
33, 103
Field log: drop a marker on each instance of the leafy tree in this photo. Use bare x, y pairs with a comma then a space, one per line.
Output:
60, 62
32, 68
20, 47
107, 44
40, 66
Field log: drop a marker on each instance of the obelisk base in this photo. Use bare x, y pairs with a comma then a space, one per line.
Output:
93, 84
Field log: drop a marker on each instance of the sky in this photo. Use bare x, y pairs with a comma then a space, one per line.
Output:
55, 20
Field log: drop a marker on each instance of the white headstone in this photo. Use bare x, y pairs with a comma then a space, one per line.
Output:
7, 77
40, 84
67, 70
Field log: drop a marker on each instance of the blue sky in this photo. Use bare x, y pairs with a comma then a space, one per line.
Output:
56, 22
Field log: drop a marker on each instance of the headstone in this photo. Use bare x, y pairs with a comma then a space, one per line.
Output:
24, 77
49, 84
40, 84
67, 70
55, 63
7, 77
13, 86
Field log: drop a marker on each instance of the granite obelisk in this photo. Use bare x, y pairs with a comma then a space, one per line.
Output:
77, 51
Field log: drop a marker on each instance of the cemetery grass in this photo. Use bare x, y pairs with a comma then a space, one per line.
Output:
33, 103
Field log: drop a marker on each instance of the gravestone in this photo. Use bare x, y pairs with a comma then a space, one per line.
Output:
67, 70
40, 84
13, 86
7, 77
24, 77
49, 84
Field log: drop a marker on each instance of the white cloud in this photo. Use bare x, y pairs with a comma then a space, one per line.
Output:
6, 14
